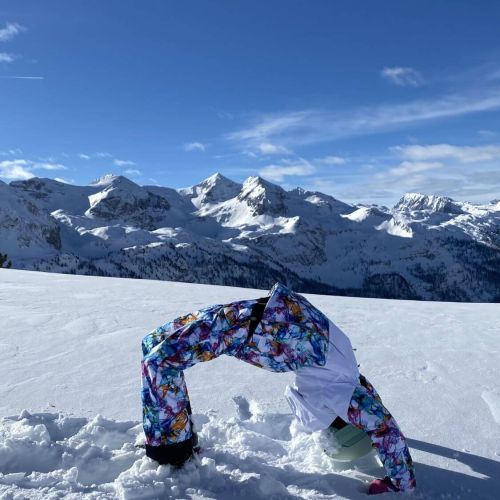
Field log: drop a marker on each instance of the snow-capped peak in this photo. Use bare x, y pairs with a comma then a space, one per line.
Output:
255, 181
263, 197
371, 214
213, 189
219, 186
107, 179
215, 179
433, 203
256, 186
318, 199
123, 199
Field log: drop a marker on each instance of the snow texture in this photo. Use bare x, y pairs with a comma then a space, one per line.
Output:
69, 397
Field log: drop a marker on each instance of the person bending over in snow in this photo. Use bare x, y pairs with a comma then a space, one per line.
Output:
281, 332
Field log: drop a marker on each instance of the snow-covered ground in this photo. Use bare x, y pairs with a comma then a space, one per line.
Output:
69, 395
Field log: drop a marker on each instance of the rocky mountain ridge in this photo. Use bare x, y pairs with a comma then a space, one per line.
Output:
253, 234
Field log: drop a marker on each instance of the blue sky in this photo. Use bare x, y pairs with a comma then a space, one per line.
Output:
359, 99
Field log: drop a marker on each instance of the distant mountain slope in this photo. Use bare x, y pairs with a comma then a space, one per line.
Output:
252, 234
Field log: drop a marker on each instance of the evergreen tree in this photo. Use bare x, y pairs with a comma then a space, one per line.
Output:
4, 262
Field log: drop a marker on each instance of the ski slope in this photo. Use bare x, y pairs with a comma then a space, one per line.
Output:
69, 395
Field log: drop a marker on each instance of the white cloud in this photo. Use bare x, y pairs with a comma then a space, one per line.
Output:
11, 152
412, 167
460, 172
226, 115
487, 133
24, 77
462, 154
331, 160
15, 169
250, 154
132, 171
272, 125
277, 172
48, 166
403, 77
7, 58
194, 146
24, 169
272, 149
105, 156
123, 163
314, 126
10, 31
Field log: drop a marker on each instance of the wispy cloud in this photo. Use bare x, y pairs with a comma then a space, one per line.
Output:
132, 171
24, 77
273, 125
267, 148
402, 76
11, 152
194, 146
25, 169
10, 31
411, 167
123, 163
462, 154
331, 160
104, 155
286, 168
222, 114
314, 126
386, 188
461, 172
48, 166
6, 58
487, 133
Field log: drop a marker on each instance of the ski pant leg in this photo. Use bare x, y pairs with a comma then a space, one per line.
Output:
166, 353
367, 412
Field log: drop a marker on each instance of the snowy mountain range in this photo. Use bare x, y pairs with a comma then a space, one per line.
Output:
253, 234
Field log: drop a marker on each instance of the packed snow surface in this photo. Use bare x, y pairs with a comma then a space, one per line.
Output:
69, 396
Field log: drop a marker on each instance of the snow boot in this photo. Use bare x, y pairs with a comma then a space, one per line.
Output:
176, 454
378, 486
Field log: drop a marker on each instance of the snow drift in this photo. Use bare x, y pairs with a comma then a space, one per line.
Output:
69, 396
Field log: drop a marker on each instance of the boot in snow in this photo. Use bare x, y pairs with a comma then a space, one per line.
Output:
378, 486
176, 454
